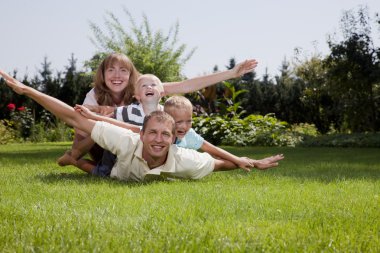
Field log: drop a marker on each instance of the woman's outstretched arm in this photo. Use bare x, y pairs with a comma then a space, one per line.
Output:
53, 105
201, 82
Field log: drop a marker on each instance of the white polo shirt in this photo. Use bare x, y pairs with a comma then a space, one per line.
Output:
130, 166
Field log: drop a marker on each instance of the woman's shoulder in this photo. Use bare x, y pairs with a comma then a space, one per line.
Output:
90, 98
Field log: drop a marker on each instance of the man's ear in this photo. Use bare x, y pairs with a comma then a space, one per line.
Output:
141, 135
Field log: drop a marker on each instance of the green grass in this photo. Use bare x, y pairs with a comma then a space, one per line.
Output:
317, 200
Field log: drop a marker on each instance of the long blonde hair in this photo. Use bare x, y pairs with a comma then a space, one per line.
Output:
102, 92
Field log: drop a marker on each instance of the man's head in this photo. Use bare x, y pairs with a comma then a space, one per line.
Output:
149, 89
157, 135
181, 109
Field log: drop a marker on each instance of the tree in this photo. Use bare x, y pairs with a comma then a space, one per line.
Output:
353, 73
318, 105
151, 52
75, 84
48, 84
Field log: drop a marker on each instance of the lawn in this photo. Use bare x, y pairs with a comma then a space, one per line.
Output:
317, 200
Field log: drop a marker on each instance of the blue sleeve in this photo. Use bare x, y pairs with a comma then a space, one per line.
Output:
192, 140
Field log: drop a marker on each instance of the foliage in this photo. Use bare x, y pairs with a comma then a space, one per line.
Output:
358, 140
353, 72
7, 133
74, 84
49, 129
150, 51
22, 120
253, 130
317, 200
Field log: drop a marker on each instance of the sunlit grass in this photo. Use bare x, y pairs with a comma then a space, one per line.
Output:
318, 199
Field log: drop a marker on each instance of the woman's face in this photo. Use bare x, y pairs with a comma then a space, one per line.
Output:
116, 77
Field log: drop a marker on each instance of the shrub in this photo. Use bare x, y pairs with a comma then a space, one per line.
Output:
7, 134
343, 140
253, 130
50, 130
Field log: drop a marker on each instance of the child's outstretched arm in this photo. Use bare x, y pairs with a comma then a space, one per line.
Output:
91, 115
244, 163
55, 106
201, 82
222, 154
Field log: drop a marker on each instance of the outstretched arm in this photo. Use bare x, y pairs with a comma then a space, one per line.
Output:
201, 82
55, 106
231, 161
91, 115
239, 162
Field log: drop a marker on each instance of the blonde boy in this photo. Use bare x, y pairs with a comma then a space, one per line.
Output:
181, 109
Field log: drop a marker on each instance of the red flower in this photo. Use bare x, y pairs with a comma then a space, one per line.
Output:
11, 107
21, 108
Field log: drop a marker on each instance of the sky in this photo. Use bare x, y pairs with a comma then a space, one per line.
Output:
268, 31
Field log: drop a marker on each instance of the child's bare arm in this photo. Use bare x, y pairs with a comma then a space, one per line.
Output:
91, 115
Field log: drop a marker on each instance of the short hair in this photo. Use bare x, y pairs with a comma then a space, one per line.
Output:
178, 102
141, 77
160, 116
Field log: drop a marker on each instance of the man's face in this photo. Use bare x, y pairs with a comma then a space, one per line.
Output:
157, 138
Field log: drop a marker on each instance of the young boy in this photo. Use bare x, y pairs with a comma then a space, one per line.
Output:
181, 109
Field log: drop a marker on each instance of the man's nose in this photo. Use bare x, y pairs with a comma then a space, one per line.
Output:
158, 138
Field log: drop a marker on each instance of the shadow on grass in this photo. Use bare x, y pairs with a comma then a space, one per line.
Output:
87, 179
82, 179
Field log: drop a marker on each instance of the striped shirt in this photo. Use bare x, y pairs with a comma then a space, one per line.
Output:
133, 113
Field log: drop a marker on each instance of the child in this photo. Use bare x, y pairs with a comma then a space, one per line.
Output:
181, 109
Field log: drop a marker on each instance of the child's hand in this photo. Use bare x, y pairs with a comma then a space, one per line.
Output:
244, 67
83, 110
267, 162
103, 110
245, 163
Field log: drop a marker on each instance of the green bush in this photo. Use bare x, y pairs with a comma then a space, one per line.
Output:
343, 140
41, 132
254, 130
7, 133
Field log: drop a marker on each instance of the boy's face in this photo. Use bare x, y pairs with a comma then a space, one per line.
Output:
183, 120
149, 89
